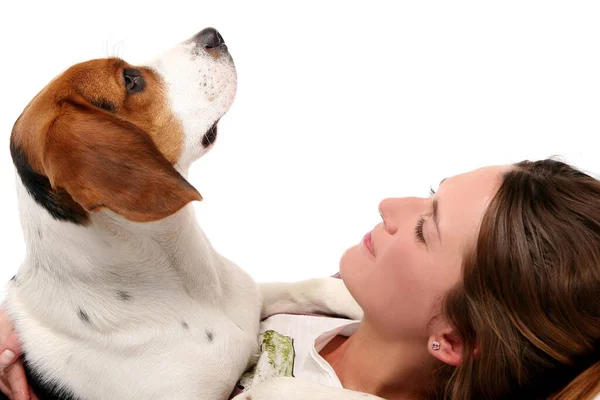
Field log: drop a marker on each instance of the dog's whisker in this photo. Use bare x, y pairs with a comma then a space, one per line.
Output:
105, 43
118, 49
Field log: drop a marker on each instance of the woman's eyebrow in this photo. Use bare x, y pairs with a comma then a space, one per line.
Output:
436, 214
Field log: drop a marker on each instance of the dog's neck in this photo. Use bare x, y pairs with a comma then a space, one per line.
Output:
148, 260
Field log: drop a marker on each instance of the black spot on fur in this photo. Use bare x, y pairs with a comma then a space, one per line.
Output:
57, 202
14, 278
83, 316
185, 325
210, 136
105, 105
123, 295
210, 335
39, 233
44, 388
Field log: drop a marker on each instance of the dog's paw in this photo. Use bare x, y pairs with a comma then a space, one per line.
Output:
319, 296
337, 299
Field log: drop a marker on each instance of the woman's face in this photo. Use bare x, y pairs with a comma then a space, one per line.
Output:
400, 282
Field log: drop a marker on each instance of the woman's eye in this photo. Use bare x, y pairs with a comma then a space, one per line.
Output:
419, 230
134, 81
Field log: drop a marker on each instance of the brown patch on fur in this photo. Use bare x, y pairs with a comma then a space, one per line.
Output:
95, 80
214, 53
123, 159
150, 111
103, 161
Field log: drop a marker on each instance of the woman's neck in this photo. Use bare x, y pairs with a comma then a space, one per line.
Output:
369, 363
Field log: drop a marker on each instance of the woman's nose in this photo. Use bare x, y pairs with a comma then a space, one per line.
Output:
398, 210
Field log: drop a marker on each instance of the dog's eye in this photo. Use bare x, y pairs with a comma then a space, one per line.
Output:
134, 81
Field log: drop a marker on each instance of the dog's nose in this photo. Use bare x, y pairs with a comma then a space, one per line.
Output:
209, 38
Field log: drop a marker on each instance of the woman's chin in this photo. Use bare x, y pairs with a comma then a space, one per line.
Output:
357, 257
354, 267
348, 259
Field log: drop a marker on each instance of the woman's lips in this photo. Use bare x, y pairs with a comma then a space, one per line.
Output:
368, 242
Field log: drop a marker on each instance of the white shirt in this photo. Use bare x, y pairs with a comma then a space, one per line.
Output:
307, 335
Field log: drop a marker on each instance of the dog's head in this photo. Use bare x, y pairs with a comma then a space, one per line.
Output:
107, 134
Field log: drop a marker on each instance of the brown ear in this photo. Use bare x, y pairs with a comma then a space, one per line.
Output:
102, 161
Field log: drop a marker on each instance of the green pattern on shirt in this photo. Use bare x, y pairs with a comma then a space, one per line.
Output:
276, 359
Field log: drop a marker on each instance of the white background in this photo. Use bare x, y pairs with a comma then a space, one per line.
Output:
339, 105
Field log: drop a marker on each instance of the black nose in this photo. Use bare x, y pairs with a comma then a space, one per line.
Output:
209, 38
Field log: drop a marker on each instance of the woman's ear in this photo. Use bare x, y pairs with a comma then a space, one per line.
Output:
105, 162
446, 347
444, 342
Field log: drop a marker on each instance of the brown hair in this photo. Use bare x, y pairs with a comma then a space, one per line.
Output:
529, 301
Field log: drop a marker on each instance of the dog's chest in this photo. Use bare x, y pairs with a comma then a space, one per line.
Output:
202, 363
194, 360
139, 334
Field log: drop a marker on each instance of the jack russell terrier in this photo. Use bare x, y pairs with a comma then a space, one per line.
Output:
121, 295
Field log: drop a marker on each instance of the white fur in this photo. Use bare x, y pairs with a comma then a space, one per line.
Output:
297, 389
180, 292
201, 90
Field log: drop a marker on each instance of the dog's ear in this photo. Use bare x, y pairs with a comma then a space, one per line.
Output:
102, 161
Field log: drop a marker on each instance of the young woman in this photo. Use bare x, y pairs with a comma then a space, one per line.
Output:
490, 288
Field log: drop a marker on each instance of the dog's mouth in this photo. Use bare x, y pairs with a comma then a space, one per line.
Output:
210, 136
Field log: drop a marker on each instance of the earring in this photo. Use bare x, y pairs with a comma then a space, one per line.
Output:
435, 345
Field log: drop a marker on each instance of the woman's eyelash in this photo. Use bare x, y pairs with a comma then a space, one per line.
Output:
419, 230
421, 221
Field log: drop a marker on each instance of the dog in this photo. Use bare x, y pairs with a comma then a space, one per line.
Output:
121, 295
